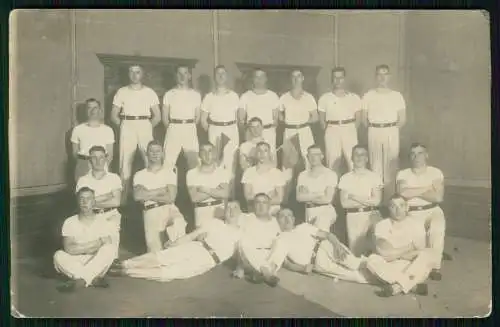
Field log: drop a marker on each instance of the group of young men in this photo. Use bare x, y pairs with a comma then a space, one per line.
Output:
402, 250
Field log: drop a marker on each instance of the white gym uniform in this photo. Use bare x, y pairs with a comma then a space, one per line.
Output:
264, 182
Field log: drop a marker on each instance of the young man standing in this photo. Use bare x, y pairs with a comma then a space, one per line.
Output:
360, 196
156, 187
89, 244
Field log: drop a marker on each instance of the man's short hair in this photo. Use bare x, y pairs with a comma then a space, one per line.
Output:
92, 100
263, 143
297, 70
83, 190
338, 69
417, 145
154, 142
182, 66
314, 146
382, 66
258, 69
136, 65
397, 196
206, 144
359, 146
219, 67
255, 119
97, 148
264, 195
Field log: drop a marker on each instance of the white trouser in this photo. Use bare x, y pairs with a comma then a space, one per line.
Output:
115, 218
178, 262
133, 134
322, 217
435, 226
253, 257
383, 146
202, 214
163, 219
306, 139
403, 272
269, 135
85, 266
229, 152
179, 137
339, 141
359, 226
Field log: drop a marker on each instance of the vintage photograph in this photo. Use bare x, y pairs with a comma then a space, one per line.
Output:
237, 163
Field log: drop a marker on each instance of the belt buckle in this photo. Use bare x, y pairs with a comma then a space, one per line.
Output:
419, 208
135, 118
360, 209
183, 121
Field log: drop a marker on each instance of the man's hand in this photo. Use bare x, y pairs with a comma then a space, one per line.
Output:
106, 240
168, 244
201, 237
203, 189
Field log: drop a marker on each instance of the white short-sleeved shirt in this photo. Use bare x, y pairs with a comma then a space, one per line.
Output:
339, 108
221, 107
136, 102
318, 184
108, 183
263, 182
360, 184
260, 105
195, 177
383, 107
401, 234
221, 237
297, 110
425, 179
259, 232
74, 228
182, 102
303, 243
155, 180
86, 137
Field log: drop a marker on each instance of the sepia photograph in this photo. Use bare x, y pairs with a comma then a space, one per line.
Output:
250, 163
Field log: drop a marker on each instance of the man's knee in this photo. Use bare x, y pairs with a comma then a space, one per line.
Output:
59, 256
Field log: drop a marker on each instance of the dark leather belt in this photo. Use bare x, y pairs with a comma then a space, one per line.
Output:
362, 209
267, 126
341, 122
104, 210
181, 121
126, 117
207, 204
424, 207
83, 157
296, 126
315, 252
314, 205
154, 205
382, 125
211, 251
221, 123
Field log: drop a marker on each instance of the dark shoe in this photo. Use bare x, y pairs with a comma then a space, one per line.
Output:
255, 279
272, 281
421, 289
100, 282
69, 286
435, 274
447, 256
385, 291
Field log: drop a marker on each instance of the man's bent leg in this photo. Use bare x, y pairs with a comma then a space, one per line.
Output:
70, 265
416, 272
436, 226
99, 264
176, 224
154, 226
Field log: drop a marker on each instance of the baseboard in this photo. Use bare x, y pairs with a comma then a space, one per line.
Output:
36, 190
468, 183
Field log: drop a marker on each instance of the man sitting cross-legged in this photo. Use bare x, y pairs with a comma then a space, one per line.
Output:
89, 243
401, 260
191, 255
305, 248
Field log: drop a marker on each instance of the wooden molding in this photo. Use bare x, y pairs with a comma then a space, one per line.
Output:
113, 59
244, 67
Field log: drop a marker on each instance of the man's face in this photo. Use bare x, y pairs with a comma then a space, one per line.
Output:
262, 206
286, 220
233, 213
360, 158
98, 160
86, 201
155, 153
207, 155
93, 111
221, 77
383, 76
183, 75
263, 153
338, 80
135, 74
398, 209
259, 79
255, 129
297, 79
315, 157
418, 157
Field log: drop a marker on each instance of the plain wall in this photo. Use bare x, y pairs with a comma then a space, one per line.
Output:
40, 95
